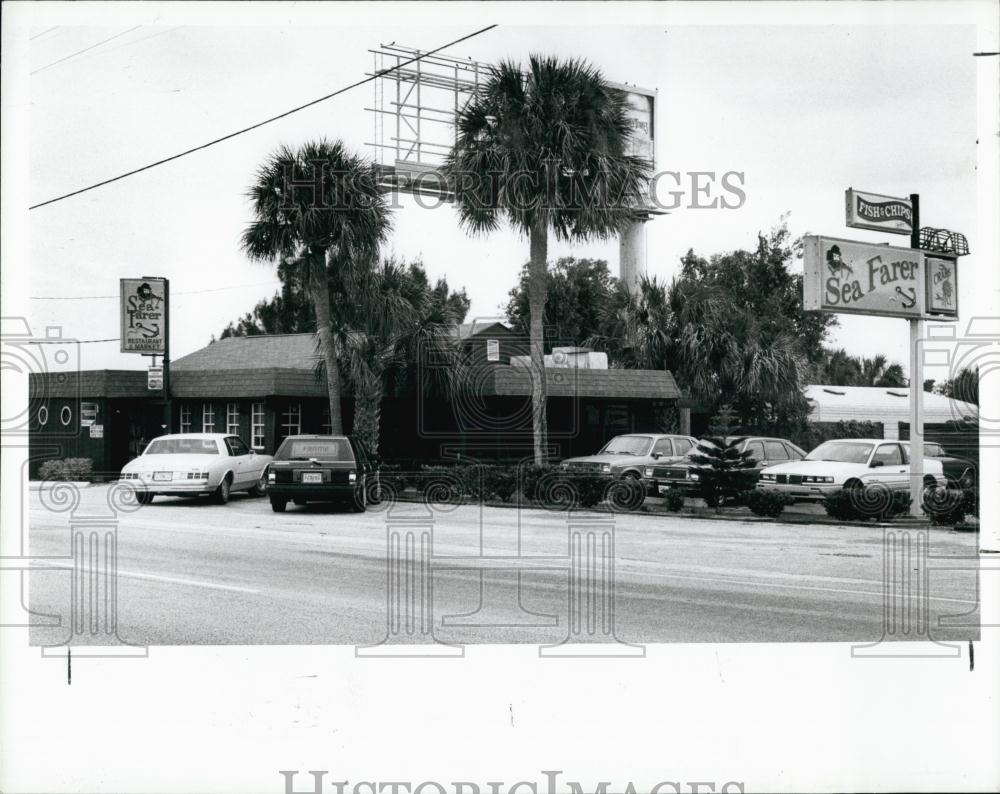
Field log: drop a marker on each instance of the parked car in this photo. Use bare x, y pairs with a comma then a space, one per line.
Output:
958, 472
628, 455
197, 464
847, 463
323, 468
684, 473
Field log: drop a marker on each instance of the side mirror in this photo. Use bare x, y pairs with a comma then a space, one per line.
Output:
657, 455
253, 452
876, 463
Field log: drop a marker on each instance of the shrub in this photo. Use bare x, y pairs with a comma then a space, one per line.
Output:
674, 499
529, 477
874, 501
500, 481
590, 488
70, 469
767, 503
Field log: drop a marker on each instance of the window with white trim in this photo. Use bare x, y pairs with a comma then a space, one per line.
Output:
492, 349
66, 415
291, 420
232, 419
43, 415
207, 418
185, 419
257, 425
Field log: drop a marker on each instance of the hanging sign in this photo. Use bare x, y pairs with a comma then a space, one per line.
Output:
154, 378
881, 213
144, 315
942, 285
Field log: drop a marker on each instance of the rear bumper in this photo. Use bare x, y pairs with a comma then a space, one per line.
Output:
320, 492
183, 487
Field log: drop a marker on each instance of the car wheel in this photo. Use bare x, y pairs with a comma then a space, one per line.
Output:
278, 504
223, 491
144, 498
360, 501
261, 487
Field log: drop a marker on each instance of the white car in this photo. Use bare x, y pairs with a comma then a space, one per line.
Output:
197, 464
847, 463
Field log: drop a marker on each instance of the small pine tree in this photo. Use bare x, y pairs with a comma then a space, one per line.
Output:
724, 423
722, 469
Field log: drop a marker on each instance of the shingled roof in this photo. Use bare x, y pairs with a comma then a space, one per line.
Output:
624, 384
285, 351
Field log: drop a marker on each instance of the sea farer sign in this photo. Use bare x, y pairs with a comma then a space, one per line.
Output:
144, 307
865, 278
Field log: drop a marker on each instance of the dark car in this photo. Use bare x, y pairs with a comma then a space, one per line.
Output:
684, 474
958, 472
314, 468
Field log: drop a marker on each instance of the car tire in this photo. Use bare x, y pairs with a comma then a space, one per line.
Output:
359, 503
144, 498
278, 504
222, 493
261, 487
299, 502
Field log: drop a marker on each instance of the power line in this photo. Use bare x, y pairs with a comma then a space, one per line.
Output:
85, 49
39, 35
69, 341
266, 121
109, 297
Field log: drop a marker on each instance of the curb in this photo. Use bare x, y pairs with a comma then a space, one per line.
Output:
38, 485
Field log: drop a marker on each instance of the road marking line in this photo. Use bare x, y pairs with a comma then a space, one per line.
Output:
152, 577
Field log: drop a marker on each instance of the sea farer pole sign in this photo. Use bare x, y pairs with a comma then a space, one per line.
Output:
144, 308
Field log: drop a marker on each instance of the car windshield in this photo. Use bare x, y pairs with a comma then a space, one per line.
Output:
183, 446
319, 448
627, 445
842, 452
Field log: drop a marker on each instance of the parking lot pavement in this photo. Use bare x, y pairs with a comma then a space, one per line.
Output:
190, 572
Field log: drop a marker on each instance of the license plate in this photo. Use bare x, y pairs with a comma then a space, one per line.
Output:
312, 476
663, 488
161, 476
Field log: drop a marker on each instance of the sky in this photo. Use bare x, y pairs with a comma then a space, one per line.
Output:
801, 111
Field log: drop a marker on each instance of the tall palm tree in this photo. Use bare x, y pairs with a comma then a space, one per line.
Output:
545, 150
318, 207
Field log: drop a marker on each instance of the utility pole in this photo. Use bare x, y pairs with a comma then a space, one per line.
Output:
916, 387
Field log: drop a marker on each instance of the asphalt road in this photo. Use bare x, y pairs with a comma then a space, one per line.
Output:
190, 572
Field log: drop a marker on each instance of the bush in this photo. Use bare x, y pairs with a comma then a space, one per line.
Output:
767, 503
70, 469
627, 493
500, 481
674, 499
529, 477
873, 501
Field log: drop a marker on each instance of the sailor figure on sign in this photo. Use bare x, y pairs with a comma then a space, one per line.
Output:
837, 266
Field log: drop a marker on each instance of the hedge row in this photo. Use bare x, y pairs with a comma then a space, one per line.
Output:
69, 469
549, 486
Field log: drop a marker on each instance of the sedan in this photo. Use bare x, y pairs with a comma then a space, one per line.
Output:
197, 464
847, 464
321, 468
627, 456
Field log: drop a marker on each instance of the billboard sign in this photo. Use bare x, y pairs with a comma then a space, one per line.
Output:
942, 285
878, 212
640, 112
862, 278
144, 315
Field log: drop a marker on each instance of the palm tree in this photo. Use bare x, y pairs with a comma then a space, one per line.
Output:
318, 207
545, 150
877, 371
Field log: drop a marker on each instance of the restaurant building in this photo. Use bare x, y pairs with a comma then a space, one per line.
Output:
264, 388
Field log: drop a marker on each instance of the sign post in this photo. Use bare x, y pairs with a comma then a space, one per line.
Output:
145, 328
916, 385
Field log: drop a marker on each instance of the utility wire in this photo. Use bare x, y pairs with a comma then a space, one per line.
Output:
177, 156
85, 49
69, 341
39, 35
108, 297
